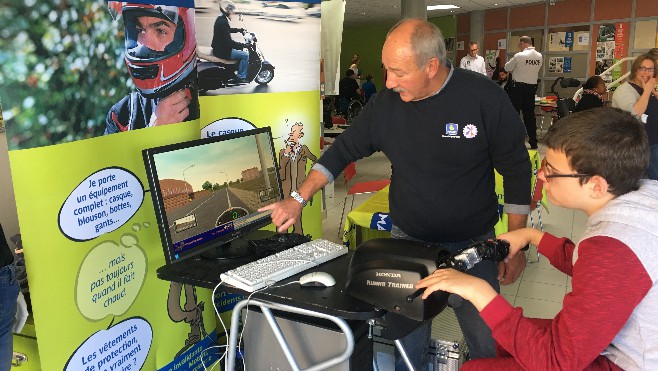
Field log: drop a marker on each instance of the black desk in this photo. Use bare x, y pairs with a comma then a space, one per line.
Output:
333, 300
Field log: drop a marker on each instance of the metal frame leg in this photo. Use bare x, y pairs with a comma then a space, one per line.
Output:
403, 353
265, 308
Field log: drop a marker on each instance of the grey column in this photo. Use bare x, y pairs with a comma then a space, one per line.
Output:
413, 9
477, 30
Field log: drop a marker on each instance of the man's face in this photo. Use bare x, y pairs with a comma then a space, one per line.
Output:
502, 76
473, 50
155, 33
403, 75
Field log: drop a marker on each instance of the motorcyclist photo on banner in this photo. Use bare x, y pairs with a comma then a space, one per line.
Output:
242, 46
160, 57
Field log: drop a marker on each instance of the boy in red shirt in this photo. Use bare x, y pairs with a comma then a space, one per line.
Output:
595, 163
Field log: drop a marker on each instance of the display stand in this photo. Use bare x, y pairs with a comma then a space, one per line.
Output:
330, 304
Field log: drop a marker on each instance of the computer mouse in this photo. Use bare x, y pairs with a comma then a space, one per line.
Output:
317, 279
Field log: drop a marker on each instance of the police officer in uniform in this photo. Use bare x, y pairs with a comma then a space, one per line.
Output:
525, 66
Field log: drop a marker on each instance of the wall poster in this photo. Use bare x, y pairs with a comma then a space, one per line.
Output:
556, 64
86, 86
605, 51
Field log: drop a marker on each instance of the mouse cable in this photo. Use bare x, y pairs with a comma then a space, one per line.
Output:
208, 349
214, 306
226, 332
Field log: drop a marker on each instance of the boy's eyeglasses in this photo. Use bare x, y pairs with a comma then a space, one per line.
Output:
546, 168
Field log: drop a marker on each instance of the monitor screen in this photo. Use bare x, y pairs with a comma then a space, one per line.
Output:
207, 192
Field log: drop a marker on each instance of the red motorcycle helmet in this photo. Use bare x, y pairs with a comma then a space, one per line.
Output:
158, 73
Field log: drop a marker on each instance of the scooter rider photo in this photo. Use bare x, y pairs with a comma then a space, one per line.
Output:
229, 63
161, 58
223, 46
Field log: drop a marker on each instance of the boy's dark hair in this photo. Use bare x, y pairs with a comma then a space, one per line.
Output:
603, 141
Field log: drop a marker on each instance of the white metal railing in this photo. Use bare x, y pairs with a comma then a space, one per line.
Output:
609, 85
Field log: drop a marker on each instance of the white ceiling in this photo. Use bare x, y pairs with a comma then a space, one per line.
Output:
367, 11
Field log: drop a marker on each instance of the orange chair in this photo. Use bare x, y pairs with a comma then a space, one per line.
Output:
359, 189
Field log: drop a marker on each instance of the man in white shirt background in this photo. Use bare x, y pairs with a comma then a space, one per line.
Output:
525, 66
472, 61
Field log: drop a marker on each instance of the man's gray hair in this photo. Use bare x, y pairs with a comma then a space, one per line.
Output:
426, 41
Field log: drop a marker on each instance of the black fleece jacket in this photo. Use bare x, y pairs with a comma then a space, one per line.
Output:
443, 150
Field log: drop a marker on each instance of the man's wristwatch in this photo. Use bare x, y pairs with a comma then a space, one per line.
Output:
298, 198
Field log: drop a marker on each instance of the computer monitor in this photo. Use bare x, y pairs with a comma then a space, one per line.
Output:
206, 193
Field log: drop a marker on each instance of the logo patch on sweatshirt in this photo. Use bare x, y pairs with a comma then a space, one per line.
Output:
452, 129
470, 131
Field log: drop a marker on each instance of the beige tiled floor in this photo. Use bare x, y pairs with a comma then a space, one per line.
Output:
540, 289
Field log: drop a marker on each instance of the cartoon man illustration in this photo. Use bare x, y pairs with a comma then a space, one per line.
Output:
292, 162
191, 313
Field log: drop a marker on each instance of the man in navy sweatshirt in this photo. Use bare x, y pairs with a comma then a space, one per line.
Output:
444, 130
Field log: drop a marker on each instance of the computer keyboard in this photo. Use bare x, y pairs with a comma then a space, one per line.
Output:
274, 268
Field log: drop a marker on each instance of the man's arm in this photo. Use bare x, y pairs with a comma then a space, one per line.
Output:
511, 64
285, 213
511, 160
509, 271
462, 63
483, 66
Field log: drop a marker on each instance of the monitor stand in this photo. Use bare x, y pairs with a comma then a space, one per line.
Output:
236, 249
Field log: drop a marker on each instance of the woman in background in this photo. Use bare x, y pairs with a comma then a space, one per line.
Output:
355, 67
652, 123
637, 96
594, 92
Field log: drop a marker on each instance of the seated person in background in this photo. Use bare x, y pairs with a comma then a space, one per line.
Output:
368, 87
595, 162
594, 92
505, 80
348, 89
